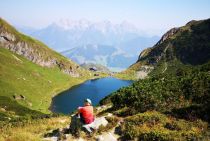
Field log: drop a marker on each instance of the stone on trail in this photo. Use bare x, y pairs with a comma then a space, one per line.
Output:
51, 139
95, 125
106, 137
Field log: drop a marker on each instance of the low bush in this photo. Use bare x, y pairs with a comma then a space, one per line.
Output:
153, 125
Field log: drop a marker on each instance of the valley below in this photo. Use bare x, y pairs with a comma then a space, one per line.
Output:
164, 95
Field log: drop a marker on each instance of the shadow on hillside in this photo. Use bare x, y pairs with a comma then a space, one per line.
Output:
12, 106
192, 113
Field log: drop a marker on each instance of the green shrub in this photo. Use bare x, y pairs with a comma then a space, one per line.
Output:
164, 93
156, 126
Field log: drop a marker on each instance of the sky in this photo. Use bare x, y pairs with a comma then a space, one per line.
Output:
148, 15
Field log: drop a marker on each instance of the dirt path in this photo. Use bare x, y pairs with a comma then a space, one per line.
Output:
166, 67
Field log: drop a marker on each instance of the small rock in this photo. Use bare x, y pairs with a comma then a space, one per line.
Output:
109, 115
103, 106
8, 118
96, 74
99, 138
98, 108
95, 125
30, 104
62, 120
16, 97
51, 139
2, 109
106, 137
22, 97
19, 97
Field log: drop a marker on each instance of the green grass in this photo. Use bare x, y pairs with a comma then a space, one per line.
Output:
33, 130
13, 110
43, 52
126, 75
18, 76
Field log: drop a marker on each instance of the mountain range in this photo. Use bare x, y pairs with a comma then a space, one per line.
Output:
76, 39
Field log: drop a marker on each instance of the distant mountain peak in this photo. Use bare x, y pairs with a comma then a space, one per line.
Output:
103, 26
72, 24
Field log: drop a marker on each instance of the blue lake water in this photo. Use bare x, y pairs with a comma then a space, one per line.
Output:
68, 101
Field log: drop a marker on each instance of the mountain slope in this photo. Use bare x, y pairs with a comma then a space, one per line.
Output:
90, 54
35, 51
187, 45
175, 95
37, 84
31, 73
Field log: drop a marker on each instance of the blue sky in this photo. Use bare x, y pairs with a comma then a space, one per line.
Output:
149, 15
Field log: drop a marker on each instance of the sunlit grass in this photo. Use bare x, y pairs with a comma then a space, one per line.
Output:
19, 76
33, 130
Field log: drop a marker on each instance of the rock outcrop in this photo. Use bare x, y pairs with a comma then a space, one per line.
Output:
89, 130
34, 50
167, 35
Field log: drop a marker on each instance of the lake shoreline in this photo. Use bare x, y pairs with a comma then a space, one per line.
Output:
100, 87
50, 108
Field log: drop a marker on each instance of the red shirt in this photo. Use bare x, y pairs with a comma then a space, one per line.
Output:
87, 113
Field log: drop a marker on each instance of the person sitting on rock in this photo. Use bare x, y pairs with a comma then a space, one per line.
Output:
84, 116
86, 112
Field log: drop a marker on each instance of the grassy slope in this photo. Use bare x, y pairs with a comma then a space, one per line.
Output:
41, 49
126, 75
38, 84
19, 76
33, 130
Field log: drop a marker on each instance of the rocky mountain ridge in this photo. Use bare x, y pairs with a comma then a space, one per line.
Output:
187, 45
35, 51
